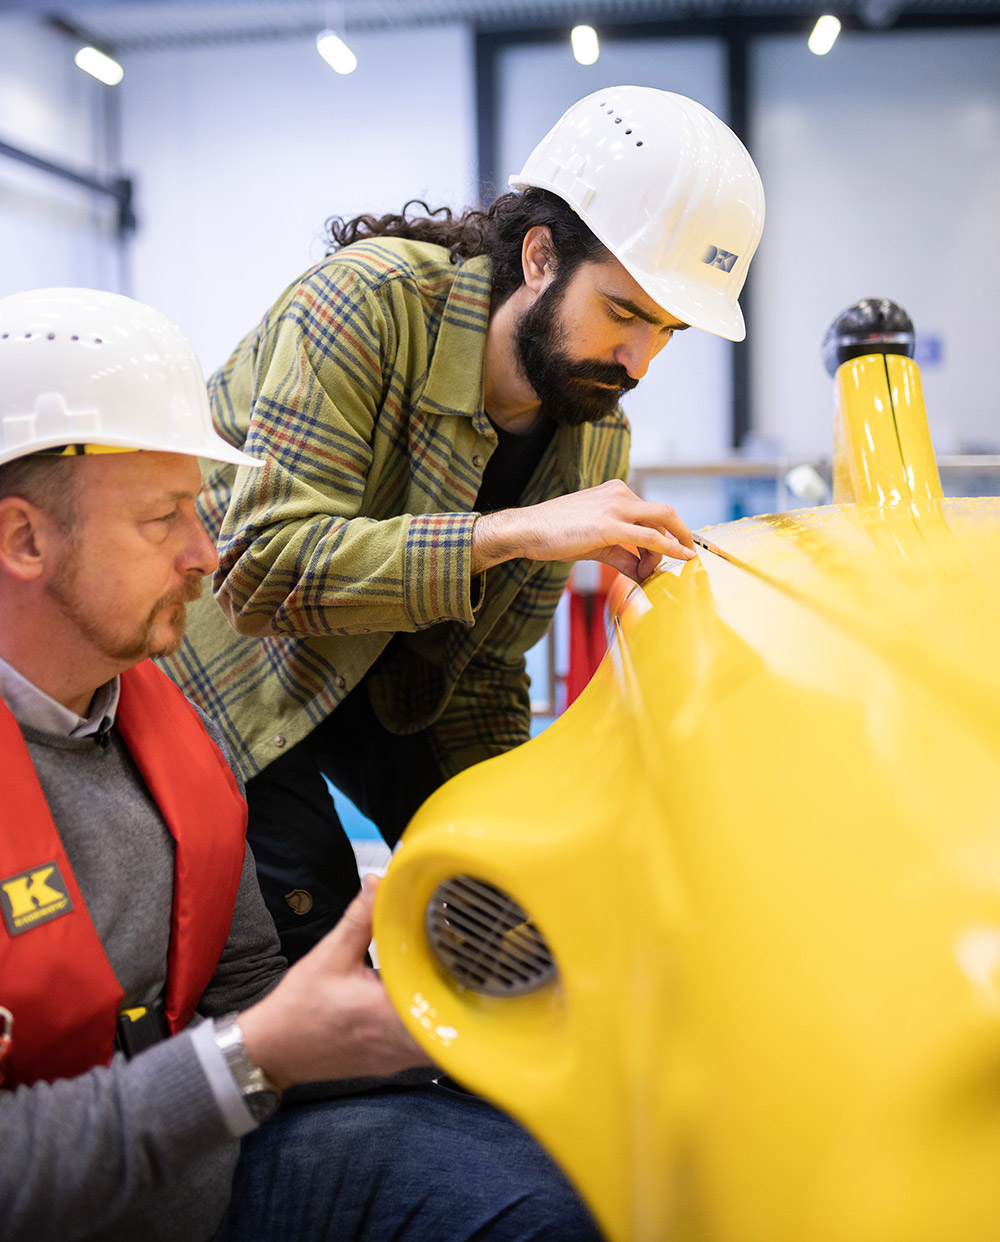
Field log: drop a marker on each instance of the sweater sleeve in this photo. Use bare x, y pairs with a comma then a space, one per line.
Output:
135, 1141
251, 963
326, 398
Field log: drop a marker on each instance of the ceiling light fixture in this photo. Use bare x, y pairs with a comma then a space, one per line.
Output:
586, 48
91, 61
824, 34
335, 52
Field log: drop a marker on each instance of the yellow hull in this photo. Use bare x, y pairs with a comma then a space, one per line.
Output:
763, 852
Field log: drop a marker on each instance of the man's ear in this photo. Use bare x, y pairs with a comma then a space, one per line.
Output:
22, 539
538, 258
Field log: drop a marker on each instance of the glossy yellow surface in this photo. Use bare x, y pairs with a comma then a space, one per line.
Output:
764, 848
882, 446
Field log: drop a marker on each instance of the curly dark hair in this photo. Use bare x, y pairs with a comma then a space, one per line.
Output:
497, 232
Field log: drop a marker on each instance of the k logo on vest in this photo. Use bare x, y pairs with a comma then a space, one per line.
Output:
34, 897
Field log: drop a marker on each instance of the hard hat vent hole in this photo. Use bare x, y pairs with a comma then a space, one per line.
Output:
484, 941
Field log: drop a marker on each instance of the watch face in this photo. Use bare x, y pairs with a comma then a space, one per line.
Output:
257, 1092
261, 1104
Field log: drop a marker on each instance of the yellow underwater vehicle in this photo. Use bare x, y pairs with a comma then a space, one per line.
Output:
726, 936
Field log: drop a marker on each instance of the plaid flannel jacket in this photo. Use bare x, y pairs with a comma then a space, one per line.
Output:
361, 390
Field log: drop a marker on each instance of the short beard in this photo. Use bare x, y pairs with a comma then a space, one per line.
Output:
566, 389
126, 650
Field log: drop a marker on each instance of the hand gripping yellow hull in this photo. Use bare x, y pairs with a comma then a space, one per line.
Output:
752, 993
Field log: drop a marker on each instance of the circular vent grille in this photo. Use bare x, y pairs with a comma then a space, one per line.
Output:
485, 941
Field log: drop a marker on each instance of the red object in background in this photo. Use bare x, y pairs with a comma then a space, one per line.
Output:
588, 588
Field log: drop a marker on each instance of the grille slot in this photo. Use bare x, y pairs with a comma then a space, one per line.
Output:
483, 939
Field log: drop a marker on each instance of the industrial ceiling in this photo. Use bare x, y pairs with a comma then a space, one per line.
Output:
138, 24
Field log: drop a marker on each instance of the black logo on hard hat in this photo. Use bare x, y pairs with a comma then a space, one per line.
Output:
715, 257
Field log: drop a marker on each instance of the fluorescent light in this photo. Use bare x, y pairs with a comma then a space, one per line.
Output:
585, 46
824, 34
335, 52
91, 61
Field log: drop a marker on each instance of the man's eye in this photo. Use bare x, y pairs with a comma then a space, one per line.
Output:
617, 316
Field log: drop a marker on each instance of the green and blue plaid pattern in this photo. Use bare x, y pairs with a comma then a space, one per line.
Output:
361, 390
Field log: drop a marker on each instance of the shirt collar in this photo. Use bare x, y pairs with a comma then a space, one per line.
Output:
455, 372
33, 707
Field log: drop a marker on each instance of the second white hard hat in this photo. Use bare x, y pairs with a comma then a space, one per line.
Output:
82, 366
668, 188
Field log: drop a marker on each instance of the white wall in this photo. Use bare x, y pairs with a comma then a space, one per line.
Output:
51, 233
242, 152
681, 410
881, 165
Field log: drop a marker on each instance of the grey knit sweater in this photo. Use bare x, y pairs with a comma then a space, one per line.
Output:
136, 1150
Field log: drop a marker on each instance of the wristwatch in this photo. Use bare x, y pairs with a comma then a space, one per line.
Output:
257, 1091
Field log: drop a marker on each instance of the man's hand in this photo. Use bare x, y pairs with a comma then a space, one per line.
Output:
330, 1016
605, 523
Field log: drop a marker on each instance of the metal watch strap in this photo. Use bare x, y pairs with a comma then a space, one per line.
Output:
259, 1094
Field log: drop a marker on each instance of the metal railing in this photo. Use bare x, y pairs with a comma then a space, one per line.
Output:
778, 469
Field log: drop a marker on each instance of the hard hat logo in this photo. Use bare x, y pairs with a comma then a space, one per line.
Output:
721, 259
664, 184
82, 366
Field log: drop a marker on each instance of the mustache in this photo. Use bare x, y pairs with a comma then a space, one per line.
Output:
186, 594
603, 373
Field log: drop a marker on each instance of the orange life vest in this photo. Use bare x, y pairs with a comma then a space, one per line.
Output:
54, 975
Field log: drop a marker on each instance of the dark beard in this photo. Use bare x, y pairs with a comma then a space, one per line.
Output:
566, 389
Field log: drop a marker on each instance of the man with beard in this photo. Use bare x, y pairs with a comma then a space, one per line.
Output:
129, 907
437, 407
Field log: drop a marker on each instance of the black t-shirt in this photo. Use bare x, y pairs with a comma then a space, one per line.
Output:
513, 463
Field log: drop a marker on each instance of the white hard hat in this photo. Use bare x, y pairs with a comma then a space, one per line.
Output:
669, 189
84, 367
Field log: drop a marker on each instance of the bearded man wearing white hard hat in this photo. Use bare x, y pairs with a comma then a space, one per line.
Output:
129, 906
437, 404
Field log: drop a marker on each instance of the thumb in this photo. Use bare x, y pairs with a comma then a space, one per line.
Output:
346, 945
621, 558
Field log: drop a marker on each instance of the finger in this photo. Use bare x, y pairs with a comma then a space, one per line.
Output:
670, 525
680, 531
647, 562
345, 947
653, 539
625, 561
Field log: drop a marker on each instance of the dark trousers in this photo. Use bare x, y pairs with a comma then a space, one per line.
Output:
305, 862
424, 1165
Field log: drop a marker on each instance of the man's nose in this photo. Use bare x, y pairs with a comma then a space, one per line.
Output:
636, 354
199, 551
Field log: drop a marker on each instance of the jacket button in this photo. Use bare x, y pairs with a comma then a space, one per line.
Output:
477, 461
339, 682
300, 900
279, 740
